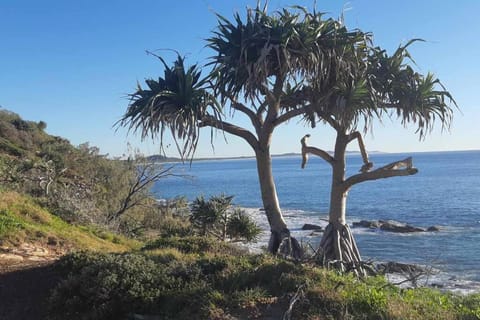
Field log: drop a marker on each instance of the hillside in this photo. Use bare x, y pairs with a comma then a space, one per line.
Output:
28, 230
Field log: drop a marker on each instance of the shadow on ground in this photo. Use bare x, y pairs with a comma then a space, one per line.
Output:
24, 291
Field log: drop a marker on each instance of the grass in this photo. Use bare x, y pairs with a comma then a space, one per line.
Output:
22, 220
195, 278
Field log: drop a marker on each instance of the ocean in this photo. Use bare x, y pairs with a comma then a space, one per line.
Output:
445, 193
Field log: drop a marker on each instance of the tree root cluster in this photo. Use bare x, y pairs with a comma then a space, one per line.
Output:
339, 250
286, 245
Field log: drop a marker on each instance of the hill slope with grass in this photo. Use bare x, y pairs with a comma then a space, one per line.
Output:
29, 232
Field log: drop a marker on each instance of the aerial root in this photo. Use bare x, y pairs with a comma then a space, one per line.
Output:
286, 245
339, 249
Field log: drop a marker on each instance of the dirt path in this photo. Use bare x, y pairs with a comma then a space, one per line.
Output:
27, 275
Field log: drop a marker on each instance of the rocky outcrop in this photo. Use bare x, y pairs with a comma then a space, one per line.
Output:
366, 224
392, 226
308, 226
26, 253
397, 267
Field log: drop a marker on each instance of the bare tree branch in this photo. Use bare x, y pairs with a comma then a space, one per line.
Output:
249, 113
367, 165
143, 179
318, 152
230, 128
390, 170
289, 115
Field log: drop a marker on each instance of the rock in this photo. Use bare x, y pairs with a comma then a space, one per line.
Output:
397, 267
36, 258
433, 229
394, 226
388, 225
8, 257
366, 224
39, 252
308, 226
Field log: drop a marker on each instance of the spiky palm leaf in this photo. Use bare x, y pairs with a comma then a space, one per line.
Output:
369, 83
176, 102
413, 97
252, 54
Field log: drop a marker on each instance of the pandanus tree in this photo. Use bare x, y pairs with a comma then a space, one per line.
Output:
258, 69
368, 85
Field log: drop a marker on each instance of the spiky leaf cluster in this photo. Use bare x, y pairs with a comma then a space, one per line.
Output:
176, 102
251, 55
368, 83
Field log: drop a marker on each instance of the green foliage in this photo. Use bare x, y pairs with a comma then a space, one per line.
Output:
206, 214
77, 184
287, 44
107, 287
42, 125
241, 226
190, 244
216, 216
8, 223
176, 102
207, 281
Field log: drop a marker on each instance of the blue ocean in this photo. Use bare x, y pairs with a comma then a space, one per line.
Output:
445, 193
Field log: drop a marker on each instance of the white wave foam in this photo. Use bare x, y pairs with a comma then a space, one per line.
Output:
297, 218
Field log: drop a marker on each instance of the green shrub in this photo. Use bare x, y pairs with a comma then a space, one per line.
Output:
217, 217
171, 226
184, 244
249, 297
107, 286
241, 226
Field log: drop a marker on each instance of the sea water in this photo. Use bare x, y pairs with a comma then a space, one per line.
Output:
445, 193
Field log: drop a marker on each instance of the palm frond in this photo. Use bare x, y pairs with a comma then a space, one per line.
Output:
251, 53
177, 103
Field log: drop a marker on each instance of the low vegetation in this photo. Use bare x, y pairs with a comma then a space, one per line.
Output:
77, 183
22, 220
197, 278
219, 218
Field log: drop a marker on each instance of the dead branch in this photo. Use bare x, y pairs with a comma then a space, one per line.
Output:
395, 169
300, 294
367, 165
315, 151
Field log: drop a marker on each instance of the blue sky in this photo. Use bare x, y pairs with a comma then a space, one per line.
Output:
71, 64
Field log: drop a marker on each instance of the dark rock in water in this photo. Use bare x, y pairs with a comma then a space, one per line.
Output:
308, 226
433, 229
391, 226
394, 226
397, 267
366, 224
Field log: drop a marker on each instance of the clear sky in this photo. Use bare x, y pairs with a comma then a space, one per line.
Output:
71, 64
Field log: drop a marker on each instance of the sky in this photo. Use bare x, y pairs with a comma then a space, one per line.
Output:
72, 64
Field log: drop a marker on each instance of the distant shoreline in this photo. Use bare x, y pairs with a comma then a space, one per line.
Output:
158, 158
163, 159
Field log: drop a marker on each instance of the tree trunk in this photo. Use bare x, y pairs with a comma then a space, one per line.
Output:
338, 245
280, 235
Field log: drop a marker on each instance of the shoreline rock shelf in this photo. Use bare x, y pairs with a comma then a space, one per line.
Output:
392, 226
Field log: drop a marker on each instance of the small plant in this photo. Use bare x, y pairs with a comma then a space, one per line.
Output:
216, 216
241, 226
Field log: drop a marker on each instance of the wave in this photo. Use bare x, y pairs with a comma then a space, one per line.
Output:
461, 283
